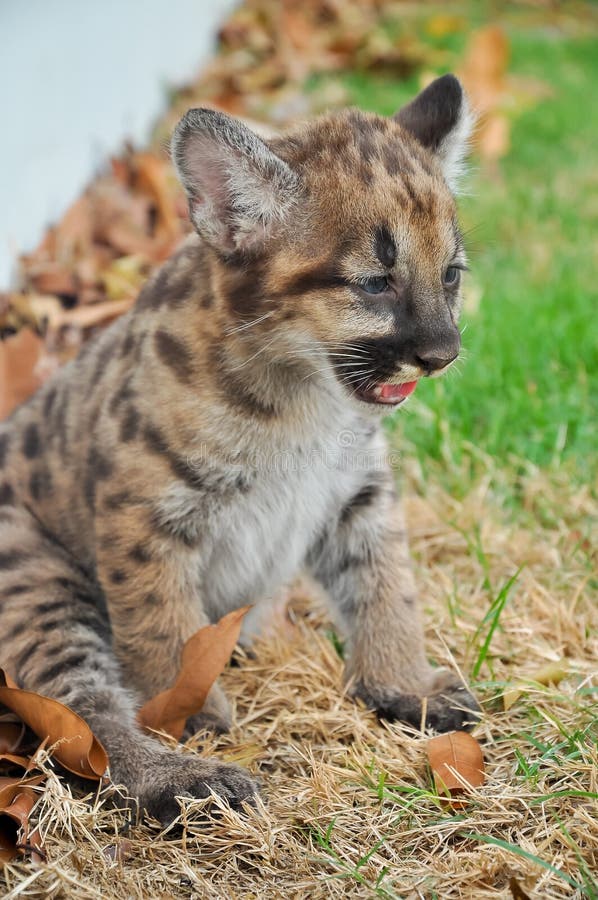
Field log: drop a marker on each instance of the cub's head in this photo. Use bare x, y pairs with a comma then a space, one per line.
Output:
336, 243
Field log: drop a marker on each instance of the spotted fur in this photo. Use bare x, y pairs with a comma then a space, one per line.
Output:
221, 437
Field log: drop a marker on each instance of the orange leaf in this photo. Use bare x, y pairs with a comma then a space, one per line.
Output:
19, 356
14, 760
71, 739
16, 801
94, 313
550, 674
484, 76
457, 764
11, 734
154, 178
203, 658
54, 279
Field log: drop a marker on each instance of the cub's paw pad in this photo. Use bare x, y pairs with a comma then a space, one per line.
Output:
190, 777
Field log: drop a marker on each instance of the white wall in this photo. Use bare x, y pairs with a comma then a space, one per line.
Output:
77, 77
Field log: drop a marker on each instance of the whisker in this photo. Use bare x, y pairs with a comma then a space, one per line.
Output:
246, 325
255, 355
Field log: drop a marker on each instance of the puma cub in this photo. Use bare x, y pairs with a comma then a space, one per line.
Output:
226, 433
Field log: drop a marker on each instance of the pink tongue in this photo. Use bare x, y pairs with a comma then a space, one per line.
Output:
397, 391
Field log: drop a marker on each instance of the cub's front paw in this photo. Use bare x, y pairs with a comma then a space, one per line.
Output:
449, 706
181, 775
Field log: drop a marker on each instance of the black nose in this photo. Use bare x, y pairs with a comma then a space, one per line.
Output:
431, 361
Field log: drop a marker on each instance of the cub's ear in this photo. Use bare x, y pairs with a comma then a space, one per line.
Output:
441, 119
237, 188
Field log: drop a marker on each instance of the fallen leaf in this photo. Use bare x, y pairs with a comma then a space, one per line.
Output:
75, 229
124, 277
16, 802
15, 760
19, 378
95, 313
550, 674
70, 738
54, 279
11, 734
484, 75
203, 658
154, 176
457, 764
119, 852
441, 24
74, 746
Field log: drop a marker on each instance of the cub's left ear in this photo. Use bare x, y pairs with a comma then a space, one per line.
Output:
238, 189
441, 119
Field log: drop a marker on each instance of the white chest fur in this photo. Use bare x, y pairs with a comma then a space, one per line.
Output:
260, 539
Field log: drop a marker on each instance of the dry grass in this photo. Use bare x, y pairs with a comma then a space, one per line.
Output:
348, 803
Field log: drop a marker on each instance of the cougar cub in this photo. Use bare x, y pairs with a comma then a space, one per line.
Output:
225, 433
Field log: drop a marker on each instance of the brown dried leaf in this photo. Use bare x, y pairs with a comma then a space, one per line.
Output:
124, 277
72, 234
19, 378
484, 76
71, 739
12, 759
16, 802
119, 852
204, 657
11, 734
154, 177
457, 764
95, 313
54, 279
551, 673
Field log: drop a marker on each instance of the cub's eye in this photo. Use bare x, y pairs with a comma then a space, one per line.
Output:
452, 276
377, 284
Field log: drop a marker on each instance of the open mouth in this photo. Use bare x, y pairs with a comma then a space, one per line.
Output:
389, 394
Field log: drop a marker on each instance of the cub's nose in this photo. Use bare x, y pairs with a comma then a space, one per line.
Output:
434, 360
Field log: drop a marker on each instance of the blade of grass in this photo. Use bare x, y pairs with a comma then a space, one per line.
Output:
492, 618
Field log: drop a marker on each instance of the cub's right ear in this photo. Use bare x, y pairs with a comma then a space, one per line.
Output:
441, 119
237, 188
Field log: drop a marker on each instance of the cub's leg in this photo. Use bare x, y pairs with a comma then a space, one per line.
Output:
363, 562
56, 640
151, 580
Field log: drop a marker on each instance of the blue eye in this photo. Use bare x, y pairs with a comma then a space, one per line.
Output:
377, 284
452, 276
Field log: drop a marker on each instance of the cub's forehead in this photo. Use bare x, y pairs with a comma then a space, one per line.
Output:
366, 175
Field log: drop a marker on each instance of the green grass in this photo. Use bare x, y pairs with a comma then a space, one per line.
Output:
528, 387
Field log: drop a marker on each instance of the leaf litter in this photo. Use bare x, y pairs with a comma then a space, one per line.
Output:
71, 742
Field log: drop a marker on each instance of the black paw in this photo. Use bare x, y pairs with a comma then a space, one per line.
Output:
452, 708
449, 706
181, 775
